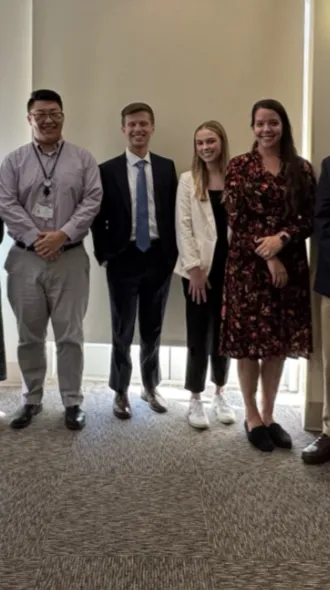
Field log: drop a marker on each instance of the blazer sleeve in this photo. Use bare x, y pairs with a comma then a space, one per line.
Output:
322, 208
99, 227
186, 242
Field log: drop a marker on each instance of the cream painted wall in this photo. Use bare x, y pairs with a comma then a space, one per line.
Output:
320, 149
16, 76
190, 60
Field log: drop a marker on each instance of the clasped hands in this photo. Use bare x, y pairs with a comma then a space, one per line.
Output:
48, 244
267, 248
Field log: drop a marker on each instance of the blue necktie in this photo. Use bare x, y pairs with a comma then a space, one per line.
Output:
142, 210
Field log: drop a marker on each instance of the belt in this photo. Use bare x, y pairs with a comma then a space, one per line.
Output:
63, 249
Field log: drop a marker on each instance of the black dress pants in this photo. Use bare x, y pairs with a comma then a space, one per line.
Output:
138, 283
203, 335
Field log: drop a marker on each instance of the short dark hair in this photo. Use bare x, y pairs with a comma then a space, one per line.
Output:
137, 107
49, 95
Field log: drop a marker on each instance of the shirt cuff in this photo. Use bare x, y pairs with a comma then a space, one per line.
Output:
30, 237
70, 230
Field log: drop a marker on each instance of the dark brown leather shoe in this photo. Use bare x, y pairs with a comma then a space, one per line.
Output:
24, 415
121, 406
318, 452
156, 402
75, 418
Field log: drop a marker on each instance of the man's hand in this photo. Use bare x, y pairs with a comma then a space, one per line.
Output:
49, 243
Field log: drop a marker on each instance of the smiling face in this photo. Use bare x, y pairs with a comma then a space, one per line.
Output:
138, 128
208, 145
46, 119
267, 128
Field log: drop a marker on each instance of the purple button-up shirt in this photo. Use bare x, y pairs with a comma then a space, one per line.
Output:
75, 195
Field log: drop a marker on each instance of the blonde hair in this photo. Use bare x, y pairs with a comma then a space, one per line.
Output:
199, 171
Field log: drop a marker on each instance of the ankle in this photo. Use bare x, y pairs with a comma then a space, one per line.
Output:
267, 418
196, 396
219, 390
253, 417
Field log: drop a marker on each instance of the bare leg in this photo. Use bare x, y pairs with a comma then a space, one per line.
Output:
248, 374
271, 372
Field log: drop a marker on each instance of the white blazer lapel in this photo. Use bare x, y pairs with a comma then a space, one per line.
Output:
207, 212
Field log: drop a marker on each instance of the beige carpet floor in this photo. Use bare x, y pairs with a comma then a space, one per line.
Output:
151, 504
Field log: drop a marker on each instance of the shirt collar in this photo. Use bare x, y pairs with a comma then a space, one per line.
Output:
132, 159
58, 145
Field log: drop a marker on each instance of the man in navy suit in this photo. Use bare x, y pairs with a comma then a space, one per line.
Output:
319, 451
134, 237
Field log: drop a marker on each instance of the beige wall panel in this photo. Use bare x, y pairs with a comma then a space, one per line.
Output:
190, 60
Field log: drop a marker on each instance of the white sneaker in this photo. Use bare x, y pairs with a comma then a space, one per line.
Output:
223, 410
197, 417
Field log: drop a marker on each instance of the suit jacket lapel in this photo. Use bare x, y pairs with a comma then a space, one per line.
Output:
122, 180
157, 181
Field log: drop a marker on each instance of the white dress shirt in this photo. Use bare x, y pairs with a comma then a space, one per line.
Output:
132, 172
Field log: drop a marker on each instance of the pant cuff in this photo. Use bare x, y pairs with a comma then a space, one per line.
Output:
33, 399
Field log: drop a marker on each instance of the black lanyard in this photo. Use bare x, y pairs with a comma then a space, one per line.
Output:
48, 177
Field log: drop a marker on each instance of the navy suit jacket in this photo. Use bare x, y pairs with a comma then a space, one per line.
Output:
112, 227
322, 231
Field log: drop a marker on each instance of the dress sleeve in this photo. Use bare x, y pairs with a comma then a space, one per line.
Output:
300, 226
234, 192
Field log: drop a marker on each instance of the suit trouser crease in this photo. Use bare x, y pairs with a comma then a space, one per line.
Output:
39, 291
203, 334
138, 283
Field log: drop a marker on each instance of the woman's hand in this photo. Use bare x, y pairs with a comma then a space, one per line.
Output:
278, 273
269, 247
198, 284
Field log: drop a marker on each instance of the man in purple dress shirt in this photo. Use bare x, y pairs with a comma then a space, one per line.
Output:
50, 192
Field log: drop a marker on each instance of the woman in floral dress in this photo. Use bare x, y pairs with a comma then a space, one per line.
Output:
269, 196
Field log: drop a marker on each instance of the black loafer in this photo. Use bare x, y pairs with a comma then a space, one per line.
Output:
259, 438
279, 436
74, 418
24, 415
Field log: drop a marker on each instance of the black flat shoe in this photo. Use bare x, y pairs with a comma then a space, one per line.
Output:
279, 436
259, 438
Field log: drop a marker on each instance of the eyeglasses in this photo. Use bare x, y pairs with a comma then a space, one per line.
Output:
55, 116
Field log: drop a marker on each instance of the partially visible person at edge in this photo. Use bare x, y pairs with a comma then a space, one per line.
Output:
3, 370
269, 197
50, 192
202, 239
319, 451
134, 239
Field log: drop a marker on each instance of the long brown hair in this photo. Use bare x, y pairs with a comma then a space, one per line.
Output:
199, 171
288, 152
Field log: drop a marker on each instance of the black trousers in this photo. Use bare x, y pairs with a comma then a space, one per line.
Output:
203, 335
138, 283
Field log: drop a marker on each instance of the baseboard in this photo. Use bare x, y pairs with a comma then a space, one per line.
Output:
172, 362
312, 416
13, 375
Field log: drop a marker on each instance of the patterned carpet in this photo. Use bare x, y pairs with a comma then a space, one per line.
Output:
153, 505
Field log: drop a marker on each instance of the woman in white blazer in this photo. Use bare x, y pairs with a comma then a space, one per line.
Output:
202, 239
